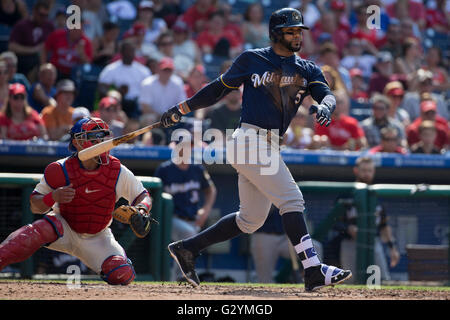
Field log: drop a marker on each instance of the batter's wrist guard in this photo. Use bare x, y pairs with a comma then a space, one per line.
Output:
330, 102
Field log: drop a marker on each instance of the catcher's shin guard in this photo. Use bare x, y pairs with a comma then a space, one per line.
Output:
23, 242
117, 270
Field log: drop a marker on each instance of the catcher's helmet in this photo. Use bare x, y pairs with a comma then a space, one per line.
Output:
88, 131
284, 18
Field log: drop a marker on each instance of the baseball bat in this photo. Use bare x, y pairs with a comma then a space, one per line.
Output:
107, 145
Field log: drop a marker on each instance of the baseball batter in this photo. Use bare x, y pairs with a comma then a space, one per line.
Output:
77, 200
275, 83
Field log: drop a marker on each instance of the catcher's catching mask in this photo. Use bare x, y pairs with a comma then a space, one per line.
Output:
89, 131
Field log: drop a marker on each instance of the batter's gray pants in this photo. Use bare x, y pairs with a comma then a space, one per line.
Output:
262, 182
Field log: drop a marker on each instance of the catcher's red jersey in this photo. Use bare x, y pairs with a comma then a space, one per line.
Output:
95, 196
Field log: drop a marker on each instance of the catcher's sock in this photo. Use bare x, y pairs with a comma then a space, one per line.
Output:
224, 229
297, 232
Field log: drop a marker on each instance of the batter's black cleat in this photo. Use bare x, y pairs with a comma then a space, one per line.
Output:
186, 261
323, 275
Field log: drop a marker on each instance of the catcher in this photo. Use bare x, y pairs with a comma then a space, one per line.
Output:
77, 200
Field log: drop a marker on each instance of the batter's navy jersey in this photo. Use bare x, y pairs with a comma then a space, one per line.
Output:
185, 186
274, 86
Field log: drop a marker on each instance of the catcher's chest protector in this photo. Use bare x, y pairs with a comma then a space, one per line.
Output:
90, 210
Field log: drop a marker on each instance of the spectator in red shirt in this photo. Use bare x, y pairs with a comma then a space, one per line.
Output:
344, 132
66, 49
28, 36
437, 18
328, 24
209, 39
407, 8
361, 31
232, 21
195, 80
19, 121
428, 111
390, 142
339, 9
197, 16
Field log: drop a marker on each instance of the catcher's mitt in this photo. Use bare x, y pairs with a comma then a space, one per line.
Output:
137, 217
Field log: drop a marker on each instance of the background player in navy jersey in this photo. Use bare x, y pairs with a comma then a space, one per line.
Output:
275, 83
189, 184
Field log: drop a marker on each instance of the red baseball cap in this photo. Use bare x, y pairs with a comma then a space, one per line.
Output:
166, 63
394, 88
16, 88
138, 28
337, 5
428, 105
107, 102
355, 72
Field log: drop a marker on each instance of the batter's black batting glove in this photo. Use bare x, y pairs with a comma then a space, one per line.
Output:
323, 114
171, 117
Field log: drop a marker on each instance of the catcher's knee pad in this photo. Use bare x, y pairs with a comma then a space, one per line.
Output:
23, 242
117, 270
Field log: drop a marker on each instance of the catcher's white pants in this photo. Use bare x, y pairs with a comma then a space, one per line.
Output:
91, 249
262, 182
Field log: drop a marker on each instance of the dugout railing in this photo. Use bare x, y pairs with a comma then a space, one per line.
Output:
149, 255
365, 200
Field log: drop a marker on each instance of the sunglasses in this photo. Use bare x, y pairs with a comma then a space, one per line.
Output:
389, 139
18, 97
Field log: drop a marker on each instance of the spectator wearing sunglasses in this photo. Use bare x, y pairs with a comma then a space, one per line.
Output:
19, 121
390, 142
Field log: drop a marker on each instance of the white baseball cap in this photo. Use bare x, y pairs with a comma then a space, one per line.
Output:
80, 112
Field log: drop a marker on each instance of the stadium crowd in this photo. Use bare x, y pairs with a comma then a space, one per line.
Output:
132, 60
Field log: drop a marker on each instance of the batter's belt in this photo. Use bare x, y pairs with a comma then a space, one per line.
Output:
271, 136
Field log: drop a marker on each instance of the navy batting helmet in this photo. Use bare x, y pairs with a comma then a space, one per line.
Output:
284, 18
